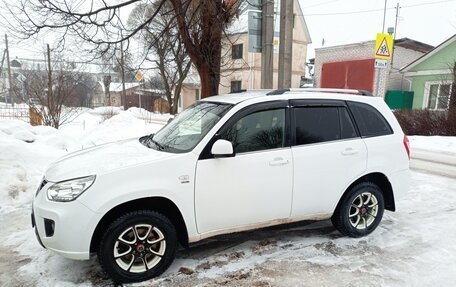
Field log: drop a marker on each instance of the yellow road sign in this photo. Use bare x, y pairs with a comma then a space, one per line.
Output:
383, 46
138, 76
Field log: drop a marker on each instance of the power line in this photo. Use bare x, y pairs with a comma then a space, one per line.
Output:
320, 4
375, 10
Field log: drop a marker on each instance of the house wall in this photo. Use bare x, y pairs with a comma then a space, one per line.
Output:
189, 95
401, 58
248, 69
441, 61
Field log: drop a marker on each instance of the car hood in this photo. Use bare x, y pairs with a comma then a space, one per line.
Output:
102, 159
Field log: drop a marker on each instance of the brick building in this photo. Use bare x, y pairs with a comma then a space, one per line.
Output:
351, 66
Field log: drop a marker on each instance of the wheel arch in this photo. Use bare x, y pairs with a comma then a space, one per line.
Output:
382, 182
159, 204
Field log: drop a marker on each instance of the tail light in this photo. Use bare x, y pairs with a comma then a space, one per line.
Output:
407, 145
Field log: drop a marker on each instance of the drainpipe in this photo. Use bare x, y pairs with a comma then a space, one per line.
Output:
409, 81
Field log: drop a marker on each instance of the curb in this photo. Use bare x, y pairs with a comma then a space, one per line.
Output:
433, 162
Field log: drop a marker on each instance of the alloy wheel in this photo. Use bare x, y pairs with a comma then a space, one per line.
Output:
139, 248
363, 210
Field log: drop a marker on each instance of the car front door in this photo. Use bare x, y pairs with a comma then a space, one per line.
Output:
253, 186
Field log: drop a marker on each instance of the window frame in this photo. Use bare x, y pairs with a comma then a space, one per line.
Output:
427, 94
239, 48
231, 86
254, 108
302, 103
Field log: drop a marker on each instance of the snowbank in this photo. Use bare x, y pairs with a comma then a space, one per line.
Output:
26, 151
440, 144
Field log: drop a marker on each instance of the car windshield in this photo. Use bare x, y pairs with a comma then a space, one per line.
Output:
188, 128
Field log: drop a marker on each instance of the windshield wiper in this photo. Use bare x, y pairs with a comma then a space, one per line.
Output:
146, 140
160, 146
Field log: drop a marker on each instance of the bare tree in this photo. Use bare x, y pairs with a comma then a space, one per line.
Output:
52, 106
169, 57
200, 24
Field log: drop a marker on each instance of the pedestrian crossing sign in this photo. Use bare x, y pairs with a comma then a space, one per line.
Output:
383, 46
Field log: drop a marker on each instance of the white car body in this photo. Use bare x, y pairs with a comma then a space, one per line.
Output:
220, 195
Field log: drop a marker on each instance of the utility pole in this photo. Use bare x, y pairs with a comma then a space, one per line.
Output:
384, 16
395, 32
286, 43
267, 50
49, 97
122, 68
395, 23
3, 60
10, 78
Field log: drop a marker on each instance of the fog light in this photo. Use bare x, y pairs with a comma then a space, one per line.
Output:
49, 227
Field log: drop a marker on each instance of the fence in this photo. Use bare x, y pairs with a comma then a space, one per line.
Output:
20, 112
17, 112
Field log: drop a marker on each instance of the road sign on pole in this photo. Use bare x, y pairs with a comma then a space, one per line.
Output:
139, 76
383, 46
381, 63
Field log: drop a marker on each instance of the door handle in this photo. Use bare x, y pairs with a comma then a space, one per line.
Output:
278, 162
349, 151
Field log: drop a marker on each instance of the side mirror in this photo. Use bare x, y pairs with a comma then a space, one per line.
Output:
222, 148
170, 120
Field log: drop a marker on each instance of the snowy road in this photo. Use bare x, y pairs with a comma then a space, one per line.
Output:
412, 247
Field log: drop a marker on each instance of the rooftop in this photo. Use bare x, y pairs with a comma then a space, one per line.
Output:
402, 42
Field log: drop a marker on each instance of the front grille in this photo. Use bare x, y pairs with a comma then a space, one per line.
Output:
43, 183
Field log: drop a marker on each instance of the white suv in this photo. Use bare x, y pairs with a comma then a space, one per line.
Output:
226, 164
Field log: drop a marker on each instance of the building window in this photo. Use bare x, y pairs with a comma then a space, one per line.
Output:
197, 94
236, 51
437, 95
235, 86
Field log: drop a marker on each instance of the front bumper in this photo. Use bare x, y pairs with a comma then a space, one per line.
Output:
73, 226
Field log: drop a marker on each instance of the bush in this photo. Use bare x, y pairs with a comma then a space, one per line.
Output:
427, 122
108, 113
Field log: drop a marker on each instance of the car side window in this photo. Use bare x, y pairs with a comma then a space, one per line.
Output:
316, 124
258, 131
370, 122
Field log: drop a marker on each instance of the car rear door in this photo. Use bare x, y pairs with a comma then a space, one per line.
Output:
328, 155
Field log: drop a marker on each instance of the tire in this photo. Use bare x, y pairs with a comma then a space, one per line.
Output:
137, 246
360, 210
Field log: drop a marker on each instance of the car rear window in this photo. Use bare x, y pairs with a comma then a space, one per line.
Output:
370, 122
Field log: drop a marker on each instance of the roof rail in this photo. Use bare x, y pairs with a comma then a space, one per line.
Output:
321, 90
277, 92
337, 91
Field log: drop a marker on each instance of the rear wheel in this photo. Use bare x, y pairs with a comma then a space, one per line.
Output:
138, 246
360, 210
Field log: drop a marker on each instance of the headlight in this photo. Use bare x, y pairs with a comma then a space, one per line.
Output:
70, 189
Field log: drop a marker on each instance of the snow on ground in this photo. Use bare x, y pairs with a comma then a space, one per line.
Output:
440, 144
412, 247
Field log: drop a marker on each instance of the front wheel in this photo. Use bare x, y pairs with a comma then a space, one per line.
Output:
360, 210
137, 246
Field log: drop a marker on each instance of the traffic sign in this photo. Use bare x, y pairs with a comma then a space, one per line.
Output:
139, 76
383, 46
381, 63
